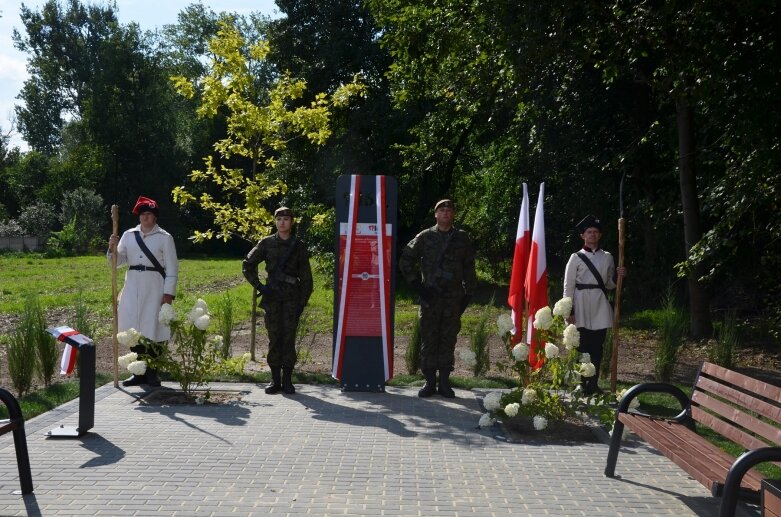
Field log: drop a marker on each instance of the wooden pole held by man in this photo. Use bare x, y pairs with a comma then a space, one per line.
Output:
617, 308
115, 326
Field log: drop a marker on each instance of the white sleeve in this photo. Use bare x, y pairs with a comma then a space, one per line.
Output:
570, 274
171, 266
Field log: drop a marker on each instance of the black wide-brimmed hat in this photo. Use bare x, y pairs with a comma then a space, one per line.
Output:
587, 222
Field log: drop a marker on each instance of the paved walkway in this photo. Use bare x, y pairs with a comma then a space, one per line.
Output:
324, 452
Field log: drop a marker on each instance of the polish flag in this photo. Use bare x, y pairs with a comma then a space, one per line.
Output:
72, 339
516, 299
536, 279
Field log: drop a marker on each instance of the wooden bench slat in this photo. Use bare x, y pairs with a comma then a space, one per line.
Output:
746, 400
6, 426
732, 417
759, 388
705, 462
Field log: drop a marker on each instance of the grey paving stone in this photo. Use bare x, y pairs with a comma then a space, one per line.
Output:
324, 452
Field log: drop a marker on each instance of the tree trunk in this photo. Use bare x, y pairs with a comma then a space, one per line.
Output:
700, 323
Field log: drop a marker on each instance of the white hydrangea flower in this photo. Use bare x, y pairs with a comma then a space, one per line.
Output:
468, 356
486, 420
529, 396
512, 409
543, 319
563, 307
551, 350
540, 422
202, 304
137, 367
588, 369
129, 337
585, 357
493, 401
521, 352
632, 405
217, 340
195, 313
124, 360
571, 337
166, 314
202, 322
505, 324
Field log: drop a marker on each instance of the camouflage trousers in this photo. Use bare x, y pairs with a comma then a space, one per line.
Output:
281, 320
439, 326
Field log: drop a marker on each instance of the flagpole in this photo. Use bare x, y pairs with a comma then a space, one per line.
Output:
115, 325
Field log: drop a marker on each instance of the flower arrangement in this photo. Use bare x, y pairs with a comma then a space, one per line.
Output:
550, 392
194, 357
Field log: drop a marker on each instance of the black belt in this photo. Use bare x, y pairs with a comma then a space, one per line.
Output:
587, 286
144, 268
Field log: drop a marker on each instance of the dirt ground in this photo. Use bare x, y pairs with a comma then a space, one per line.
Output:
635, 364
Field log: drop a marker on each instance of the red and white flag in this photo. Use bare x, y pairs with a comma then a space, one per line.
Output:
516, 298
536, 279
73, 339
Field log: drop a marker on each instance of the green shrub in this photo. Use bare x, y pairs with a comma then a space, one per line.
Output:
34, 324
224, 310
65, 242
412, 354
478, 342
21, 361
722, 349
83, 321
672, 331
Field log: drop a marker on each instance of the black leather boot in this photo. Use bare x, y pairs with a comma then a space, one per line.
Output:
444, 385
152, 379
275, 386
431, 384
287, 381
135, 380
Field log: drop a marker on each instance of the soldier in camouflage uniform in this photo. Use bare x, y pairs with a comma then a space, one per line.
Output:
445, 282
285, 294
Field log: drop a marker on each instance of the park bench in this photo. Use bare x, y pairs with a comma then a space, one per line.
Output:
741, 409
15, 425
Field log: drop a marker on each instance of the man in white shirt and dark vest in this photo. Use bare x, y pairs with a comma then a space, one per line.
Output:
589, 275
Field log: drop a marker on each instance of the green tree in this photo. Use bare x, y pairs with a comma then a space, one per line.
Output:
234, 186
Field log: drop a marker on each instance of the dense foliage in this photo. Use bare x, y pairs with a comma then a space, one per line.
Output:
669, 100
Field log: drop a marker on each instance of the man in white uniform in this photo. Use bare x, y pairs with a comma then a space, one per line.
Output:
150, 281
590, 273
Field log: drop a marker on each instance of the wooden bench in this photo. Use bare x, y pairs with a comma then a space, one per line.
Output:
741, 409
15, 425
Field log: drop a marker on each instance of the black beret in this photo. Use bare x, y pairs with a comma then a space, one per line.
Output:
445, 203
283, 211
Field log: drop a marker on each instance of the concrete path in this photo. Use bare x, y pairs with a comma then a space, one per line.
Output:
324, 452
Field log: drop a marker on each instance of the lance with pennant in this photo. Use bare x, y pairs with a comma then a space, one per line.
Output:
115, 327
619, 285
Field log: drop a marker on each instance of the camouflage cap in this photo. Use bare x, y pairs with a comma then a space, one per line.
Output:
587, 222
445, 203
283, 211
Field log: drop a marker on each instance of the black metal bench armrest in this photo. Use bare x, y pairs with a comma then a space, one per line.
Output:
656, 387
745, 461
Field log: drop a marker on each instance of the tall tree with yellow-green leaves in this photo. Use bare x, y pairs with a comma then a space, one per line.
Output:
237, 183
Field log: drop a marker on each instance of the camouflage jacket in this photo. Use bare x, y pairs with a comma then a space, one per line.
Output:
450, 274
293, 280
